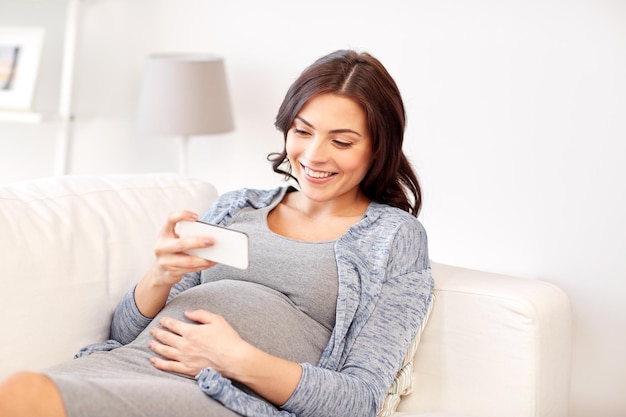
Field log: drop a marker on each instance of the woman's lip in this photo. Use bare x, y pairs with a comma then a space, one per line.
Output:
311, 174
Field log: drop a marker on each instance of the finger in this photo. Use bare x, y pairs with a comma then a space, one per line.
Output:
169, 246
183, 261
165, 336
174, 326
202, 316
171, 366
187, 263
172, 266
165, 351
194, 242
175, 217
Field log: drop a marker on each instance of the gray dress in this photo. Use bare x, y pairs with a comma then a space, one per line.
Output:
284, 303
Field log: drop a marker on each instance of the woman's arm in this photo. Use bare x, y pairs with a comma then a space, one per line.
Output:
212, 343
165, 276
171, 263
128, 321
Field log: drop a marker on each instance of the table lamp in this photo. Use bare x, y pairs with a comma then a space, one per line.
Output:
184, 95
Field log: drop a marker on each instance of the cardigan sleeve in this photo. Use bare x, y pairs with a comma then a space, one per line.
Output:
128, 321
374, 350
361, 383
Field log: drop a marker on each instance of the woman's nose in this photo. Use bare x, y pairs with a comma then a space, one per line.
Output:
316, 150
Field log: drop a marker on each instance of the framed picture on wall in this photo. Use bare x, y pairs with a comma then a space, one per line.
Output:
20, 52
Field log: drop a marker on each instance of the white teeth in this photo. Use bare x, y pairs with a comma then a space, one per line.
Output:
317, 174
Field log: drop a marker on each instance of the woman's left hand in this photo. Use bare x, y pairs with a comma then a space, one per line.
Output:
187, 348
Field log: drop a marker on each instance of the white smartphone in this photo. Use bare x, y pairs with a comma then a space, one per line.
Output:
231, 246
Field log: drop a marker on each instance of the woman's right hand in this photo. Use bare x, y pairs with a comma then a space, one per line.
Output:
171, 260
170, 265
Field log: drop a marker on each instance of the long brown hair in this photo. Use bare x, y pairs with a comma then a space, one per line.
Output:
362, 78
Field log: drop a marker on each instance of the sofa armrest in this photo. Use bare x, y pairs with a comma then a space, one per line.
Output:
494, 346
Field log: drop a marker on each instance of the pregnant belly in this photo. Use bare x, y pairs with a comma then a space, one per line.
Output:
264, 317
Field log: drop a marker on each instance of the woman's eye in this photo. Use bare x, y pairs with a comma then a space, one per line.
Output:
300, 132
342, 144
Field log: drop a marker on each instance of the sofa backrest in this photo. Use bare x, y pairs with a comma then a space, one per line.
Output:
70, 247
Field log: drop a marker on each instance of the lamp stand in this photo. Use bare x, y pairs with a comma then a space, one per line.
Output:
183, 160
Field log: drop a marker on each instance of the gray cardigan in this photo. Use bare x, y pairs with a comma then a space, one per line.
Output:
385, 289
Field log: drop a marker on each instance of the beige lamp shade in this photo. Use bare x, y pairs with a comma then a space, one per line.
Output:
184, 95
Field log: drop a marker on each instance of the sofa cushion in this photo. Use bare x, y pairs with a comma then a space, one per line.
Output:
70, 248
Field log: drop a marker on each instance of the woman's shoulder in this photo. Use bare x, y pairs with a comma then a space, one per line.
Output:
384, 225
386, 216
399, 228
384, 232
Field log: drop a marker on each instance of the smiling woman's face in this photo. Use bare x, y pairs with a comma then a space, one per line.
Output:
329, 148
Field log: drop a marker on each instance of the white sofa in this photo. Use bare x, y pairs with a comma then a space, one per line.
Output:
495, 346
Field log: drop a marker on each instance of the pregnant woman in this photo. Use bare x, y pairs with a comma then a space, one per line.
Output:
338, 284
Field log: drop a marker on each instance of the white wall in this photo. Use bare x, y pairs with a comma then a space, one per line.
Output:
516, 126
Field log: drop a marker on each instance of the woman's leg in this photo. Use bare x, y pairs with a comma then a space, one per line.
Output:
27, 394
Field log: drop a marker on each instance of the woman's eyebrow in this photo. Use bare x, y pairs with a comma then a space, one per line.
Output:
304, 121
332, 131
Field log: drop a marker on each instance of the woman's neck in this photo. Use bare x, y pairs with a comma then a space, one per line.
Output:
347, 206
298, 217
